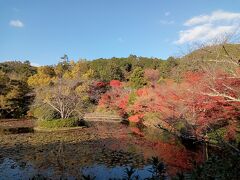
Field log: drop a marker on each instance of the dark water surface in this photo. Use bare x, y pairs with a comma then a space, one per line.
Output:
103, 151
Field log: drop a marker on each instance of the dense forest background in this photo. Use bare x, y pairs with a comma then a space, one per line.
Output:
18, 79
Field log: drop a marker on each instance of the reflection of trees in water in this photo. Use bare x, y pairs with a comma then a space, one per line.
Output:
70, 157
112, 145
171, 151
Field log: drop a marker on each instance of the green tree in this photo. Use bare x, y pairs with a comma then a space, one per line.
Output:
15, 94
15, 99
166, 68
63, 66
137, 79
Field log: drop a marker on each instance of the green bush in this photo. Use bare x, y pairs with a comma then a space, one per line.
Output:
216, 135
132, 98
59, 123
43, 112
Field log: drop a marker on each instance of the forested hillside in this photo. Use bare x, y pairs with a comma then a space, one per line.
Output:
15, 95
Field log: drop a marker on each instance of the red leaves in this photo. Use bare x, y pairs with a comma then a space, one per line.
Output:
123, 102
142, 92
115, 99
105, 100
193, 77
115, 83
200, 100
137, 118
136, 131
215, 99
100, 84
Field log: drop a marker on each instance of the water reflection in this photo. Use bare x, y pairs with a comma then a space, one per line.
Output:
104, 172
103, 152
9, 169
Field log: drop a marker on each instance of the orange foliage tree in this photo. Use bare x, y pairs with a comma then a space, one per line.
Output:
201, 102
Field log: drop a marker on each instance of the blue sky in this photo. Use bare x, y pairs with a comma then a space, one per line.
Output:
43, 30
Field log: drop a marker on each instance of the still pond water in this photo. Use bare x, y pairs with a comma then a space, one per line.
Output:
103, 151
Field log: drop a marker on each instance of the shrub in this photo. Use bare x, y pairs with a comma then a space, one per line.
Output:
59, 123
43, 112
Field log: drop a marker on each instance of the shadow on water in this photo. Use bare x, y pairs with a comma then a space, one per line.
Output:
86, 152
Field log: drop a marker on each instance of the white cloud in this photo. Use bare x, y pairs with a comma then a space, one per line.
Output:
16, 23
167, 13
203, 33
166, 22
205, 28
214, 17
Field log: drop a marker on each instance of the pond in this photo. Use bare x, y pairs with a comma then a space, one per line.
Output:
102, 151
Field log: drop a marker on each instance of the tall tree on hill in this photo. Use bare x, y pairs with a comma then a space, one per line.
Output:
137, 79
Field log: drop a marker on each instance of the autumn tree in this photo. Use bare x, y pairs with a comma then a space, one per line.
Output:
96, 89
116, 99
44, 76
79, 69
62, 88
221, 88
65, 97
15, 94
15, 97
